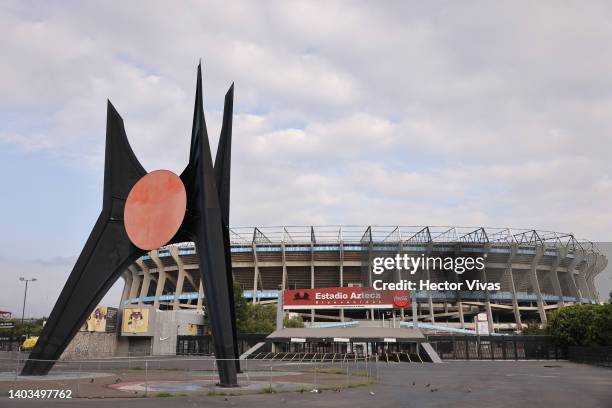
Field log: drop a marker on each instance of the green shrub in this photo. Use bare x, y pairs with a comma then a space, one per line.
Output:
581, 325
253, 318
294, 322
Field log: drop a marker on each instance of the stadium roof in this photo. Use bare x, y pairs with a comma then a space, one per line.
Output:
409, 234
423, 235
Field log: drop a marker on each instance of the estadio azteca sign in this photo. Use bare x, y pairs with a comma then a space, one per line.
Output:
346, 298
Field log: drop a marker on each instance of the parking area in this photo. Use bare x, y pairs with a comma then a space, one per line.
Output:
451, 384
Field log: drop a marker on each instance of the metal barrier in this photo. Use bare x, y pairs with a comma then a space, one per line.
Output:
599, 356
203, 345
496, 347
176, 376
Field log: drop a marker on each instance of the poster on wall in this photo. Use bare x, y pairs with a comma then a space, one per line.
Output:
102, 320
111, 319
192, 329
135, 320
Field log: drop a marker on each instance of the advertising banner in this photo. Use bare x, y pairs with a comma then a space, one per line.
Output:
346, 298
135, 320
111, 319
102, 320
192, 329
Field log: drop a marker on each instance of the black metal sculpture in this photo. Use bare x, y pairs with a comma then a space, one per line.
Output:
108, 250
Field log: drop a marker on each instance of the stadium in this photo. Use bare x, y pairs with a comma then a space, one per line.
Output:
537, 272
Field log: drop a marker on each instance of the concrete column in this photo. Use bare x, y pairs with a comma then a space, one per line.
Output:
368, 282
593, 290
180, 280
312, 267
591, 276
200, 296
127, 286
578, 257
487, 247
461, 317
584, 274
533, 276
429, 299
284, 260
136, 279
400, 249
341, 274
280, 314
432, 318
589, 279
515, 306
415, 311
161, 278
561, 252
602, 263
256, 274
312, 278
146, 281
460, 304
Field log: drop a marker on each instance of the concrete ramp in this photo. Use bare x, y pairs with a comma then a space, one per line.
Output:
435, 358
253, 349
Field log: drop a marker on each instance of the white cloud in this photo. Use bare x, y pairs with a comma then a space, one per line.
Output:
345, 112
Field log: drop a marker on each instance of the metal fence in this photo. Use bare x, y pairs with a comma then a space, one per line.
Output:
203, 345
179, 376
496, 348
599, 356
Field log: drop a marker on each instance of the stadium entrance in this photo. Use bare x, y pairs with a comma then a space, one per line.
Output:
339, 343
352, 339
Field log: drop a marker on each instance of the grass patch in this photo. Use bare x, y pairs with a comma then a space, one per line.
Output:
342, 371
361, 384
331, 370
163, 394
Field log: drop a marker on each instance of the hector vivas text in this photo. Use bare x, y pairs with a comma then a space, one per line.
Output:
412, 264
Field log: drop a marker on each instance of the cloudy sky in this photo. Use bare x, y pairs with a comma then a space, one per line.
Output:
345, 113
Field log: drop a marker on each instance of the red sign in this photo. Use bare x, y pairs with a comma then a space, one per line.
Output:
347, 298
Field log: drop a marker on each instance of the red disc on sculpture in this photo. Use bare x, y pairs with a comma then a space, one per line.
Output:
155, 209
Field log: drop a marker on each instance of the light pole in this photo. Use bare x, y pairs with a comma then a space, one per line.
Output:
25, 294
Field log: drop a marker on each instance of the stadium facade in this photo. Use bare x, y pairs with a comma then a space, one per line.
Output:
538, 271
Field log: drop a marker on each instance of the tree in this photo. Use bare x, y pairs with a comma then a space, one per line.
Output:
241, 308
261, 319
581, 325
25, 328
294, 322
253, 318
